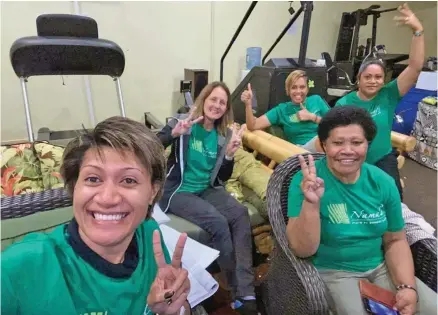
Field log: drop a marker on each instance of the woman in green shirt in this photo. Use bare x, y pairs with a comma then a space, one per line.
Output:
381, 100
201, 160
342, 210
110, 259
299, 118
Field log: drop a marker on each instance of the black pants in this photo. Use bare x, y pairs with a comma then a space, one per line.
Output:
227, 222
389, 164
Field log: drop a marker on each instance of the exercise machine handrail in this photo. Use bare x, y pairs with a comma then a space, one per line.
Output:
376, 15
242, 23
308, 8
358, 14
292, 21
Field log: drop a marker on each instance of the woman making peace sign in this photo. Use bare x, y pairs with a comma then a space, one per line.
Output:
342, 211
109, 259
201, 160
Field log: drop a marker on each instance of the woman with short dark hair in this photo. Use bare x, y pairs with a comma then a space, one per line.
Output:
342, 211
110, 259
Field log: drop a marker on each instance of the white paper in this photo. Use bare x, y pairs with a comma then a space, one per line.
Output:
202, 285
195, 253
427, 81
196, 258
159, 215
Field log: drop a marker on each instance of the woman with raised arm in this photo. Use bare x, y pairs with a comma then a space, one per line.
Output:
200, 162
381, 100
298, 118
110, 259
345, 215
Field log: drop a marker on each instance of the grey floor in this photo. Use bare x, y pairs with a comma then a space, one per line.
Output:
420, 193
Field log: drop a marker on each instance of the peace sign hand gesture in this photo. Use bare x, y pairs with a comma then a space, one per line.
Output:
311, 186
171, 286
235, 141
183, 126
408, 18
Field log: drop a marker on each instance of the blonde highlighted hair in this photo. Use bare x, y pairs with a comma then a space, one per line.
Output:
227, 119
292, 78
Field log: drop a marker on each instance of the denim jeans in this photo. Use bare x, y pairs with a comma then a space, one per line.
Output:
227, 222
389, 164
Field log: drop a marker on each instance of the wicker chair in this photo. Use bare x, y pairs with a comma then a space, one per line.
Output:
292, 285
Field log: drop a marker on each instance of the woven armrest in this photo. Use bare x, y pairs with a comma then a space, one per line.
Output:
299, 273
27, 204
424, 254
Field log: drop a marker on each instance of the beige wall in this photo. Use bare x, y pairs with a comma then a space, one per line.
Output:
160, 39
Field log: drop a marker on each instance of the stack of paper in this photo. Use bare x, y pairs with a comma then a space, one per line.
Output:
196, 258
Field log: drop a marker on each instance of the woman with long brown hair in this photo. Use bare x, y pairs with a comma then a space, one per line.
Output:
201, 160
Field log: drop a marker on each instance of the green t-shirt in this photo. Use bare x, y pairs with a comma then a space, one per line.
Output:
201, 159
354, 217
43, 275
382, 108
285, 116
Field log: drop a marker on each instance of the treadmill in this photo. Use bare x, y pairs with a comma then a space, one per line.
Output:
349, 54
66, 44
267, 81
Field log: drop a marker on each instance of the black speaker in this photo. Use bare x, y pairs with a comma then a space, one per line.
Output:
199, 78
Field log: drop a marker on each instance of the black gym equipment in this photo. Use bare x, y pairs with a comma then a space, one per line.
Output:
348, 54
267, 81
65, 45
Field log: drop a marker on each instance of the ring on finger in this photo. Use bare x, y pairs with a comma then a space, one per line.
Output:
169, 301
168, 295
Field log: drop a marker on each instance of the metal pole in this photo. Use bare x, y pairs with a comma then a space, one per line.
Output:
292, 21
247, 14
86, 79
120, 96
308, 8
26, 109
353, 47
374, 33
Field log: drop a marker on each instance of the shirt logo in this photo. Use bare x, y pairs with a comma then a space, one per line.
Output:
376, 112
338, 214
198, 146
293, 118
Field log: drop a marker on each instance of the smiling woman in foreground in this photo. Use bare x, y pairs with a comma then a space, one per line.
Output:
110, 258
346, 215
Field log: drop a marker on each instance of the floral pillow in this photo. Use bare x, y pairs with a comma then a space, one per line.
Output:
20, 170
50, 158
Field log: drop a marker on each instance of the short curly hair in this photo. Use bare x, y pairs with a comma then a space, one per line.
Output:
124, 135
346, 115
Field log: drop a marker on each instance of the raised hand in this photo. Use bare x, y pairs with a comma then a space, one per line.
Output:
304, 114
171, 286
235, 141
311, 186
246, 96
408, 18
183, 126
